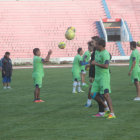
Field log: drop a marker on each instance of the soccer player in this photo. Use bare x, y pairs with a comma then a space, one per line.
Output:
38, 72
93, 43
6, 70
85, 58
76, 70
101, 84
134, 70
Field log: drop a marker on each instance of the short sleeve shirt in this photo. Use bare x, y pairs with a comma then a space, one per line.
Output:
37, 67
101, 58
134, 56
87, 54
76, 63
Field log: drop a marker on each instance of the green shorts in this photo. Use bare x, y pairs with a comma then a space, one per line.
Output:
38, 81
135, 76
101, 86
76, 76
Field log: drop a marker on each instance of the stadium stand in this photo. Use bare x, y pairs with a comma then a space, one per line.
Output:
128, 10
25, 25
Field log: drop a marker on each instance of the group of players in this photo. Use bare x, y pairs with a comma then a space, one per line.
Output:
99, 74
97, 59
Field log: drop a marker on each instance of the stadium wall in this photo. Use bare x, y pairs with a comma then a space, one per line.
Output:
64, 60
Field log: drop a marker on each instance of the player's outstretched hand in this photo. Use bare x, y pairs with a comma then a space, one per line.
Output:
50, 52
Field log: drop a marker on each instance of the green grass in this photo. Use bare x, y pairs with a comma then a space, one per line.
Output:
63, 115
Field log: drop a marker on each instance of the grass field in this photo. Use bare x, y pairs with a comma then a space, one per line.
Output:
63, 115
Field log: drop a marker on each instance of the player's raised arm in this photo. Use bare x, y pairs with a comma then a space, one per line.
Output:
48, 56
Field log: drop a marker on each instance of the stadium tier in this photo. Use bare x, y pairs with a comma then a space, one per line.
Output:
136, 7
25, 25
129, 11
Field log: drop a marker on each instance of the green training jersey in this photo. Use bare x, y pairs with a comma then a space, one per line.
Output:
102, 58
37, 67
134, 56
88, 55
76, 63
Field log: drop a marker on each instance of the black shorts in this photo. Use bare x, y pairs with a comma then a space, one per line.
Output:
92, 71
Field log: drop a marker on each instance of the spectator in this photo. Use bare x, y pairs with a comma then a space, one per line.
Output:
6, 70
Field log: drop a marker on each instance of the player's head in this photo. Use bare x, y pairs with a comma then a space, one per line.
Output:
7, 54
90, 46
80, 51
101, 44
95, 37
36, 52
94, 41
133, 45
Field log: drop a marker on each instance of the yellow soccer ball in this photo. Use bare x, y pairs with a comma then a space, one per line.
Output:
138, 43
72, 28
70, 34
62, 45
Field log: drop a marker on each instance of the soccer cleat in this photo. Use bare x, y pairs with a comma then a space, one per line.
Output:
86, 105
74, 92
110, 116
41, 101
137, 99
36, 101
97, 115
80, 91
9, 87
106, 114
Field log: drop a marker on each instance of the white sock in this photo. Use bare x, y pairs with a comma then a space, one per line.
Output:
74, 86
105, 103
79, 87
106, 109
89, 101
